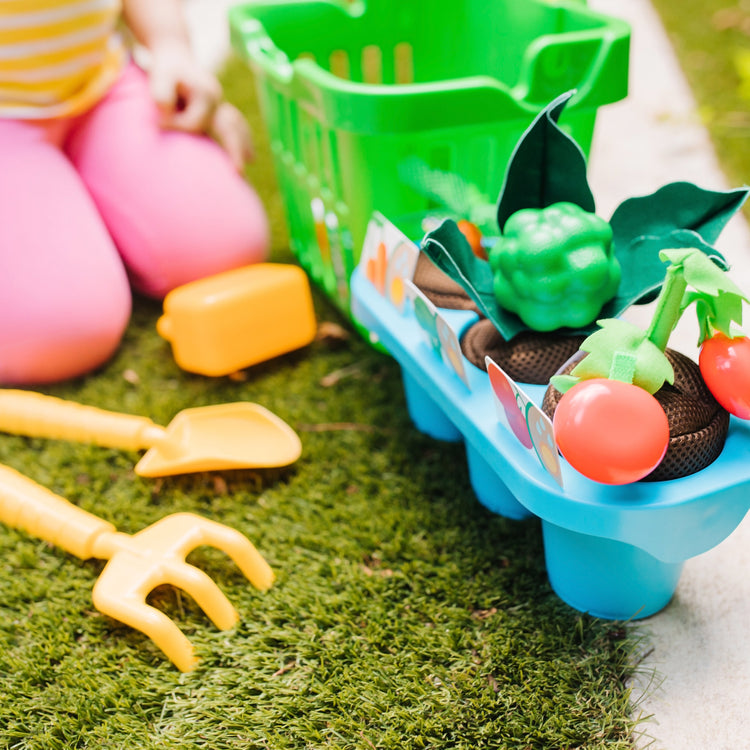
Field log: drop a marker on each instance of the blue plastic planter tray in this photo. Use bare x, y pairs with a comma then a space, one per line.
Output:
613, 551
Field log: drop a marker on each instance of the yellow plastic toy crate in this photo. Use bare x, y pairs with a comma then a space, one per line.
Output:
365, 102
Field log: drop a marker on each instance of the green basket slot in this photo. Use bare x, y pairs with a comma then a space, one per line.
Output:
365, 100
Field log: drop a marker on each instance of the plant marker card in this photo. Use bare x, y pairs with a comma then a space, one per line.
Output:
530, 425
440, 336
389, 259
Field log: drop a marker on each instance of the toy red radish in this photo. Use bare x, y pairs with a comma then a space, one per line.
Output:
610, 431
725, 366
608, 425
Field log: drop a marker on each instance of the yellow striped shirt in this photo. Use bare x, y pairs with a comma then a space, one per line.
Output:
57, 57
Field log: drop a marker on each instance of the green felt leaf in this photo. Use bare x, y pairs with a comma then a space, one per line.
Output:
546, 167
564, 383
715, 313
723, 310
678, 205
643, 268
617, 337
718, 300
701, 273
449, 250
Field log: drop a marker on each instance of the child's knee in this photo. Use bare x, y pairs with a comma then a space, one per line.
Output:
72, 340
237, 236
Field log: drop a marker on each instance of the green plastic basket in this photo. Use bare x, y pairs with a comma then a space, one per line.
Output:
368, 103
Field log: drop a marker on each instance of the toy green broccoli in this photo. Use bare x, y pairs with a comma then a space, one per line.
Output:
555, 266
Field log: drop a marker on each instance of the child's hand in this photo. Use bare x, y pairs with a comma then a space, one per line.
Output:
232, 133
190, 99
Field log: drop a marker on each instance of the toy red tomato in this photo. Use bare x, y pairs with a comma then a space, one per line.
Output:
610, 431
725, 366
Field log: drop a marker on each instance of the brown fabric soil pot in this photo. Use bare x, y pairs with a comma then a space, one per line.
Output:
439, 288
530, 357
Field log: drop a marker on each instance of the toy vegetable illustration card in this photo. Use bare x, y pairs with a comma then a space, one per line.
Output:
389, 258
440, 336
530, 425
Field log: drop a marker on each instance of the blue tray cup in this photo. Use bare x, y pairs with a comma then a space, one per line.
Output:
490, 489
430, 419
607, 578
425, 413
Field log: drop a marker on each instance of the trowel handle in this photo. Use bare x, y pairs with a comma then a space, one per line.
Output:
36, 415
28, 506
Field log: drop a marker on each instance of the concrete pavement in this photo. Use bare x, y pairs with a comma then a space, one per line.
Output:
695, 678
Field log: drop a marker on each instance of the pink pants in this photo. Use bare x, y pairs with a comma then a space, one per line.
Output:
92, 204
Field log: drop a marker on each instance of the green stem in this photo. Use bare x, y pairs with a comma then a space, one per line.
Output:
668, 307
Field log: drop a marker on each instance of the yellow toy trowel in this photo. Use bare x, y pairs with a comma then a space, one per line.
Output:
238, 435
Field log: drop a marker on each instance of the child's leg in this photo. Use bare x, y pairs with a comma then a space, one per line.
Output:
172, 202
64, 296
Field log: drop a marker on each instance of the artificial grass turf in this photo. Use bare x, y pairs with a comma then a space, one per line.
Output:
404, 615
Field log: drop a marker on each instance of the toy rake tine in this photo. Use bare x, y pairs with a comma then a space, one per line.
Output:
207, 595
137, 563
153, 623
177, 535
230, 541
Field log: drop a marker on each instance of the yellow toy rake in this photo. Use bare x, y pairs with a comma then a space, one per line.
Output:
136, 563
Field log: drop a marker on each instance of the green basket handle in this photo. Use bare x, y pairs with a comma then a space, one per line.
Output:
595, 64
250, 39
